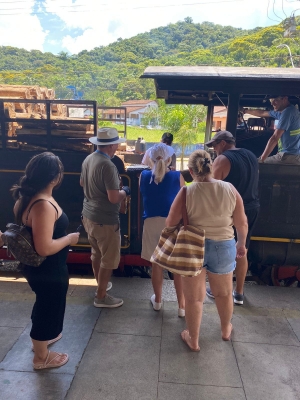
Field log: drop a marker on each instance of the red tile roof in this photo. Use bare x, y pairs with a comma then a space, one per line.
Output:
136, 102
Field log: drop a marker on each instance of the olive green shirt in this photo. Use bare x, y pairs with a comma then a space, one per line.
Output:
99, 174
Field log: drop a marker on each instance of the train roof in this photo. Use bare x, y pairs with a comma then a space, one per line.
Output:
204, 84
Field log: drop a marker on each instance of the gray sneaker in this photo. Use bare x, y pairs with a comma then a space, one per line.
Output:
108, 302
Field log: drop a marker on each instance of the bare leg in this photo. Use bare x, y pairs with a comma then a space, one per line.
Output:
221, 286
240, 273
179, 291
194, 293
157, 282
41, 352
103, 278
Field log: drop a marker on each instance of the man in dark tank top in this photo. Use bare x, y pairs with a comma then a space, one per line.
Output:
240, 168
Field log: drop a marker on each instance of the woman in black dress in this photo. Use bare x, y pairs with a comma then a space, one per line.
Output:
36, 208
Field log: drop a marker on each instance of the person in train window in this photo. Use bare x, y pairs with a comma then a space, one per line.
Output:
42, 215
286, 134
159, 187
214, 206
167, 138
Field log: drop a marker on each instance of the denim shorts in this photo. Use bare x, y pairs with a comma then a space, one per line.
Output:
219, 256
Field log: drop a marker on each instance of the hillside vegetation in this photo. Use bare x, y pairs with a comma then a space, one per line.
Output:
110, 74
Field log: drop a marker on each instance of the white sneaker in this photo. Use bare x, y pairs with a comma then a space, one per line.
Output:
156, 306
181, 312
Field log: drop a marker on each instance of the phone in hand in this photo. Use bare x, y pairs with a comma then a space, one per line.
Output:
79, 229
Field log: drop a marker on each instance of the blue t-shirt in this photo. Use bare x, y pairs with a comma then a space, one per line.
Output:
289, 120
158, 199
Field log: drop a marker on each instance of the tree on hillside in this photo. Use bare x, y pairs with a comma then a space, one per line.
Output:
181, 120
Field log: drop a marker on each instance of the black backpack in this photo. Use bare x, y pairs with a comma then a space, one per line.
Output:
19, 242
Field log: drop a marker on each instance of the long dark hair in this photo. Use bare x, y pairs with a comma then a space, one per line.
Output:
40, 171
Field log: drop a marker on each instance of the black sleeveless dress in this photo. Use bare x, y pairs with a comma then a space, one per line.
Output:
50, 282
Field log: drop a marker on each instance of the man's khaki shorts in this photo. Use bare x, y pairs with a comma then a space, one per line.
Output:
283, 158
106, 243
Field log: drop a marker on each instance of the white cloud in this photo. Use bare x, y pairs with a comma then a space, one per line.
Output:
129, 18
18, 28
104, 21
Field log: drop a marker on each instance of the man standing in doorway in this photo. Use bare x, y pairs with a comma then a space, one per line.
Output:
286, 134
240, 168
102, 198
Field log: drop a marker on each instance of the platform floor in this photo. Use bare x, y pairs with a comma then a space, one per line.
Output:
134, 353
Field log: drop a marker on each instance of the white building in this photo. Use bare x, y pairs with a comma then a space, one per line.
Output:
135, 110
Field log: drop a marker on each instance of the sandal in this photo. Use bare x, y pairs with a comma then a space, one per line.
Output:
51, 341
183, 337
49, 363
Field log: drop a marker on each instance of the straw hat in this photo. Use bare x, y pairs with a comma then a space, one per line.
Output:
106, 136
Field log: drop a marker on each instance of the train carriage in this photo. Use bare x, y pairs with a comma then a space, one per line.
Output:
275, 242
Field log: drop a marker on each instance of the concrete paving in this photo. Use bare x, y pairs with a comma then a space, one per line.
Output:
135, 353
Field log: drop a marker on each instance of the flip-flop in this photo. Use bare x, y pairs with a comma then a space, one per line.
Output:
227, 339
52, 340
183, 333
47, 364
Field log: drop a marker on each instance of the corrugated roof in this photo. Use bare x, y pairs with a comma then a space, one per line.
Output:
222, 72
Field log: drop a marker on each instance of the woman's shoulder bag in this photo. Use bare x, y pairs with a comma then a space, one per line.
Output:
181, 249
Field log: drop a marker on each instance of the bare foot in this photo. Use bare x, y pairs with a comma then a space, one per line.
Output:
185, 336
226, 335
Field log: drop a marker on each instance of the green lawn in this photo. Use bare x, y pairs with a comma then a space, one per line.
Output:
153, 135
150, 135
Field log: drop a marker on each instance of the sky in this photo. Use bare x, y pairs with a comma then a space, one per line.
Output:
75, 25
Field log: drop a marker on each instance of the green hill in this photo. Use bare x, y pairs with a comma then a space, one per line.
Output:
110, 74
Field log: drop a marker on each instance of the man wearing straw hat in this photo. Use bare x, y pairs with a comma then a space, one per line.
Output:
102, 198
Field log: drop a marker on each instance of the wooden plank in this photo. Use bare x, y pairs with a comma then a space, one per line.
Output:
15, 92
55, 132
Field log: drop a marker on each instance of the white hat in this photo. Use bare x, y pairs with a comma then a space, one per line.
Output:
106, 136
160, 151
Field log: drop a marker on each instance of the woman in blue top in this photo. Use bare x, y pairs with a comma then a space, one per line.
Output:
159, 188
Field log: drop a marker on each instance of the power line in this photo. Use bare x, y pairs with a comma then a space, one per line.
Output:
283, 8
114, 8
275, 12
268, 13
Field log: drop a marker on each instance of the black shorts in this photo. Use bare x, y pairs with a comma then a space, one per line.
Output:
252, 216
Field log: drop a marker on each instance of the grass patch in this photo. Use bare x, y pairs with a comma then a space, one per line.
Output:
150, 135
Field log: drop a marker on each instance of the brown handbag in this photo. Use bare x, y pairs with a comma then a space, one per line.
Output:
181, 249
19, 242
